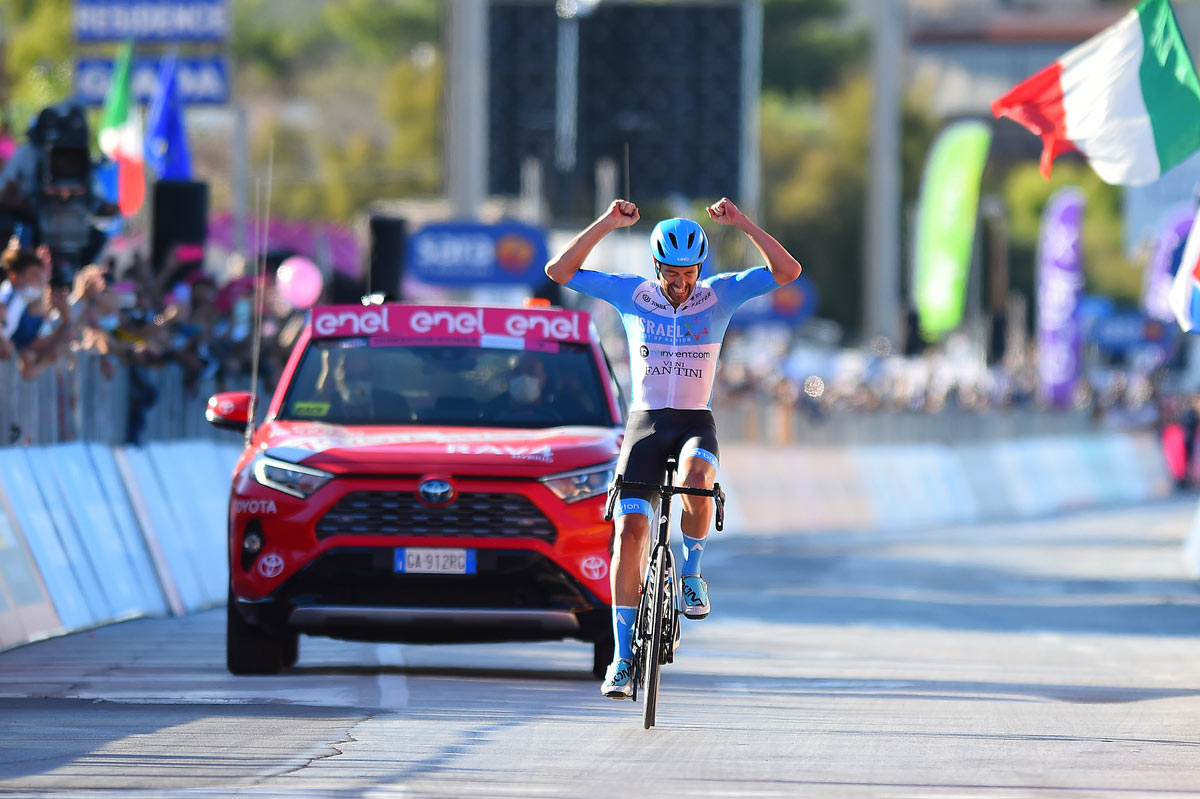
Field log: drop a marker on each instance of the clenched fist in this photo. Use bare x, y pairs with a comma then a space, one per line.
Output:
622, 213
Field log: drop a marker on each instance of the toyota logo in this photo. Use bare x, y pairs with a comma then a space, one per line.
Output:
594, 567
436, 492
270, 566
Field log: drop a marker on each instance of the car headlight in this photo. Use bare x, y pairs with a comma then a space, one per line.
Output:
581, 484
290, 478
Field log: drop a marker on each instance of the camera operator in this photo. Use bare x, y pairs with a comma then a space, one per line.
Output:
47, 190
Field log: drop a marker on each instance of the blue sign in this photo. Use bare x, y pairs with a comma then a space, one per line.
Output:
469, 254
1124, 331
151, 20
200, 80
790, 304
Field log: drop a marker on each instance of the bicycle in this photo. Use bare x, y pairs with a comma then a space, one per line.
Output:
656, 625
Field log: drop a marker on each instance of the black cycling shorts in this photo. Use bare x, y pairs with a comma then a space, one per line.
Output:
650, 438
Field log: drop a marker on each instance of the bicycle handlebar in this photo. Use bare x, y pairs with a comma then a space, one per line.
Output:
666, 491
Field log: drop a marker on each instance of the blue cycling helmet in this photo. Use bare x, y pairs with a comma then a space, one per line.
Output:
678, 242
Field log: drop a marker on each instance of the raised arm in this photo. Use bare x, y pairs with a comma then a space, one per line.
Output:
784, 268
562, 267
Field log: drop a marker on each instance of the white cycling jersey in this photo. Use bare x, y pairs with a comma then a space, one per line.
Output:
673, 352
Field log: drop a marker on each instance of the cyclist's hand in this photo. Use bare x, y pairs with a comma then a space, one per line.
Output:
724, 212
622, 213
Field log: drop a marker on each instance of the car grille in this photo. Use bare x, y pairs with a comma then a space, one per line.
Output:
470, 515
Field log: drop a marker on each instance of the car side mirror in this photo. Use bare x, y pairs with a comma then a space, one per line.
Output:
229, 409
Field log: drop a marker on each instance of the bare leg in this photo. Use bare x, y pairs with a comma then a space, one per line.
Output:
629, 558
697, 511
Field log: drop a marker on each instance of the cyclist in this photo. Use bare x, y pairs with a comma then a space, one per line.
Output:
675, 325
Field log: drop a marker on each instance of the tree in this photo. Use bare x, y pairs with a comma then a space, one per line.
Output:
815, 172
807, 47
1106, 269
37, 56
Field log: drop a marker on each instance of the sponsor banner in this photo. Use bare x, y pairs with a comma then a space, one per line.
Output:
467, 254
151, 20
1059, 289
398, 325
1164, 261
199, 80
945, 233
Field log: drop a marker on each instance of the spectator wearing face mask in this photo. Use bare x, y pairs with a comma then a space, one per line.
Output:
22, 295
99, 325
55, 333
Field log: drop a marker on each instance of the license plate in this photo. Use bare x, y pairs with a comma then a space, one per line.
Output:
421, 560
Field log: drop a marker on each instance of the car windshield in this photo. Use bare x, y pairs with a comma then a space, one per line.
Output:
349, 381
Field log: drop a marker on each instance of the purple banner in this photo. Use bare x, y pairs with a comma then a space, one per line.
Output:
1160, 272
330, 245
1060, 285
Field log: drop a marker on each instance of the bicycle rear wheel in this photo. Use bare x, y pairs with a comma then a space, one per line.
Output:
653, 656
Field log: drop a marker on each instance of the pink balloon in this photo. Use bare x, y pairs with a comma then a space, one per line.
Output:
299, 281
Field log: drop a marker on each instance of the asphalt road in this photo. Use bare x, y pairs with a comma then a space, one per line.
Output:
1057, 658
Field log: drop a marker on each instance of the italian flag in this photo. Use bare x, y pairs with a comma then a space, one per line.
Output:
121, 136
1128, 99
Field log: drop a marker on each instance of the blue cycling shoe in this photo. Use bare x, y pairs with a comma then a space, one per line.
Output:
694, 591
618, 682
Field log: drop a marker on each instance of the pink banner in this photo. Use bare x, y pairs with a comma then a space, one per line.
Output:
515, 328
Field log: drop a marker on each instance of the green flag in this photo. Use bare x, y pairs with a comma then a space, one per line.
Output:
945, 232
116, 103
121, 135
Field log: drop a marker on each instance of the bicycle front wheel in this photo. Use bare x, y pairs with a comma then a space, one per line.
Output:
654, 629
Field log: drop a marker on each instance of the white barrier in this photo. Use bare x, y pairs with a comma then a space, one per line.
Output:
788, 489
89, 514
164, 526
199, 496
151, 593
26, 612
32, 521
89, 534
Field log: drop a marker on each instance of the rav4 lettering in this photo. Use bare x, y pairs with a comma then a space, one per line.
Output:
543, 453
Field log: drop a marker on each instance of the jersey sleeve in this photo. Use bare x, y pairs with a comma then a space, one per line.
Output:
613, 289
734, 288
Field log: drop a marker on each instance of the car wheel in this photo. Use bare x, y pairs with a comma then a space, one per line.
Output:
250, 649
602, 655
291, 649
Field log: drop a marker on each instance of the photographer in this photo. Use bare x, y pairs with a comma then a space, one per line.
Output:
46, 190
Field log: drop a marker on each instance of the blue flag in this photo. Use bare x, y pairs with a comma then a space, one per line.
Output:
166, 150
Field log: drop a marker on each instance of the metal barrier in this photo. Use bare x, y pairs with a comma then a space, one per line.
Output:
74, 401
780, 423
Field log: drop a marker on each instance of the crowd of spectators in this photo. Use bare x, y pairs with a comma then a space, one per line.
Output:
133, 321
822, 381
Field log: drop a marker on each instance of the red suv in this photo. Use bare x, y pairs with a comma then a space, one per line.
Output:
425, 475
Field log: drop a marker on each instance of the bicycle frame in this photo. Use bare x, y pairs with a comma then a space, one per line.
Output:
657, 621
